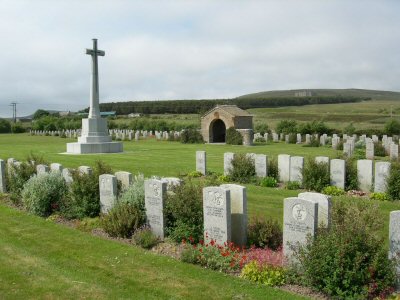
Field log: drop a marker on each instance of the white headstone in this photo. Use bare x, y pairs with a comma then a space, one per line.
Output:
108, 192
382, 171
40, 169
324, 206
394, 151
261, 165
238, 213
155, 191
85, 170
2, 176
201, 162
228, 156
365, 174
284, 167
67, 175
369, 150
322, 159
125, 178
394, 241
296, 169
56, 167
300, 219
217, 214
338, 173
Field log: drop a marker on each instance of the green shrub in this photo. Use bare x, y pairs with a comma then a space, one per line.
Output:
194, 174
42, 194
392, 127
293, 185
264, 274
17, 128
83, 197
393, 182
263, 232
260, 140
339, 146
292, 138
314, 142
191, 136
184, 212
145, 238
268, 182
333, 191
122, 220
243, 168
379, 196
349, 261
5, 126
134, 194
273, 170
379, 150
315, 175
351, 174
262, 128
17, 175
286, 126
223, 179
88, 224
233, 137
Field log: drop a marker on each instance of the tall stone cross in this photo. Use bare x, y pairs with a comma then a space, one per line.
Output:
94, 111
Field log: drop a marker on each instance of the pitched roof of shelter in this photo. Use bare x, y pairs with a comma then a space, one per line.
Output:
230, 109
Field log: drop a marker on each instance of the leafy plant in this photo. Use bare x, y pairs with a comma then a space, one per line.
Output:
233, 137
134, 194
379, 196
191, 136
264, 274
268, 182
293, 185
243, 169
88, 224
315, 175
393, 181
184, 212
145, 238
195, 174
351, 174
122, 220
83, 197
379, 150
286, 126
42, 194
273, 170
349, 260
333, 191
263, 232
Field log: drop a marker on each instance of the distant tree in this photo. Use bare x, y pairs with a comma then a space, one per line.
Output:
40, 113
262, 128
392, 127
314, 127
17, 128
5, 126
286, 126
349, 129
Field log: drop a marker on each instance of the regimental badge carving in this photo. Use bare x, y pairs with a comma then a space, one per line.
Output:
156, 190
299, 212
215, 199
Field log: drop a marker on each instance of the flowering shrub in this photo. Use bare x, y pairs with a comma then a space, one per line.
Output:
263, 232
225, 258
265, 256
264, 273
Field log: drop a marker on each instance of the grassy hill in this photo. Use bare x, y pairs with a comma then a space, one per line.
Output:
361, 93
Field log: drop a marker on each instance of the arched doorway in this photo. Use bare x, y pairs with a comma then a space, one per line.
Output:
218, 131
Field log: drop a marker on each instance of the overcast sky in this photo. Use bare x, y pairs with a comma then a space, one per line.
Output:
192, 49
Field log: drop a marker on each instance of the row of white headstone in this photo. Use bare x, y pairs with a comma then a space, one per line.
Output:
290, 169
121, 134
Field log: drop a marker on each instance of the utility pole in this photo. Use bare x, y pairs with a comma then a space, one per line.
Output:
14, 108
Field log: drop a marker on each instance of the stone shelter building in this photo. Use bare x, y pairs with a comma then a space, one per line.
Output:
216, 121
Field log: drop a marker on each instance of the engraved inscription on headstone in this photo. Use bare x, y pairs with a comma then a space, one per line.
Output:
108, 192
155, 191
217, 214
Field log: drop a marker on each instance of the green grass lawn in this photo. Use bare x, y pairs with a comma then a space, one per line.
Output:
43, 260
164, 158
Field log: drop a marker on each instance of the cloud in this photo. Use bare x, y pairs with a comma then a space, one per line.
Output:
192, 49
